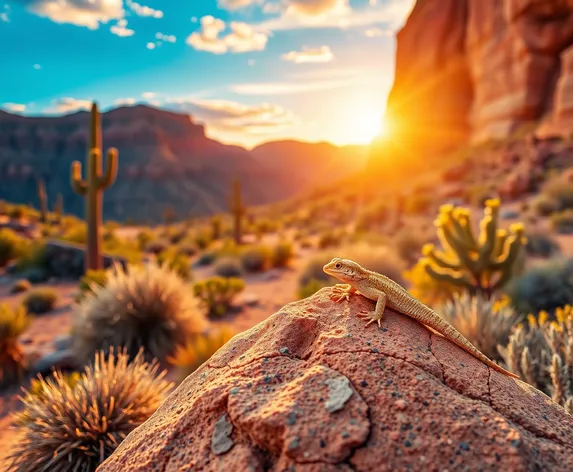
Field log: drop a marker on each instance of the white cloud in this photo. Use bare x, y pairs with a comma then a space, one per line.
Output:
5, 15
229, 116
234, 4
37, 66
168, 38
15, 107
241, 38
124, 101
148, 95
272, 7
194, 19
78, 12
339, 14
290, 88
376, 32
142, 10
121, 29
68, 104
309, 55
150, 45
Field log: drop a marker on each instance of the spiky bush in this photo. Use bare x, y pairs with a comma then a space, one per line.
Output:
21, 286
177, 262
41, 300
217, 293
189, 357
486, 323
541, 352
545, 287
148, 307
67, 428
228, 267
91, 279
13, 322
10, 246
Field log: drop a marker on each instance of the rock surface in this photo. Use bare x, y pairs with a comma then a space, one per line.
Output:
482, 70
310, 389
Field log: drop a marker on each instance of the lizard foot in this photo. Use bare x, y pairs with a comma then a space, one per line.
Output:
341, 292
371, 316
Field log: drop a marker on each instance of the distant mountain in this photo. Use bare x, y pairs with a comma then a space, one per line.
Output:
165, 161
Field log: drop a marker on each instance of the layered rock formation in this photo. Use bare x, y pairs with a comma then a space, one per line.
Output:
310, 388
165, 160
472, 70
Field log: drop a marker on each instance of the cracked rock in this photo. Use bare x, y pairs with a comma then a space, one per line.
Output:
347, 398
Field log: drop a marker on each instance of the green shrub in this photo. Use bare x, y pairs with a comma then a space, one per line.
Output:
13, 322
544, 205
256, 258
540, 351
144, 238
146, 306
216, 227
32, 255
310, 288
561, 191
21, 286
157, 247
330, 239
92, 279
217, 293
75, 428
187, 248
228, 267
562, 222
545, 287
541, 245
281, 254
206, 258
177, 262
485, 323
11, 246
77, 233
203, 240
41, 300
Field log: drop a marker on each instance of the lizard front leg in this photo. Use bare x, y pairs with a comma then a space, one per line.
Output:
378, 312
342, 292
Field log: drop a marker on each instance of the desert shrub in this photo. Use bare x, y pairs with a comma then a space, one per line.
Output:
409, 245
562, 222
11, 245
176, 236
217, 293
157, 247
330, 239
544, 205
31, 255
216, 227
189, 357
41, 300
561, 191
255, 258
76, 428
13, 322
177, 262
37, 385
541, 245
545, 287
18, 212
281, 254
187, 248
228, 267
540, 351
206, 258
310, 288
419, 204
148, 307
373, 217
485, 323
91, 279
21, 285
77, 233
144, 238
203, 240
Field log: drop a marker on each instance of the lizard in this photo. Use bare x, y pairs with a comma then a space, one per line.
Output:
388, 293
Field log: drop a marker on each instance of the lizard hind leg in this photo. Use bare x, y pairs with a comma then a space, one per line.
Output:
376, 315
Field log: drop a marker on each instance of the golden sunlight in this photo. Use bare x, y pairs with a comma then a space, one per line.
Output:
366, 126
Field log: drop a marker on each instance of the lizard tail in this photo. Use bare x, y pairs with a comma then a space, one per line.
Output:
431, 319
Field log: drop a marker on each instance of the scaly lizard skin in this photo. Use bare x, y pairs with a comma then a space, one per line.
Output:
385, 292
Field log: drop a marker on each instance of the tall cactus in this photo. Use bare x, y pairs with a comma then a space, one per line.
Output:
238, 211
92, 188
59, 208
481, 265
43, 201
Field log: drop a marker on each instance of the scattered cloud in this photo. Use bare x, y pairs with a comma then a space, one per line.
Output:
78, 12
234, 4
376, 32
121, 29
14, 107
68, 104
230, 116
124, 101
309, 55
270, 7
37, 66
5, 14
142, 10
291, 88
150, 45
168, 38
241, 38
298, 14
194, 19
148, 95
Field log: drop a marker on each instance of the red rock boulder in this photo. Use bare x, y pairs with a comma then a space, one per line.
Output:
312, 389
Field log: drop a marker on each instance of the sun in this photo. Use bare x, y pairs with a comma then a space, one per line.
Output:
366, 126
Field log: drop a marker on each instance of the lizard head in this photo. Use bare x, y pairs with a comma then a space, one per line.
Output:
344, 269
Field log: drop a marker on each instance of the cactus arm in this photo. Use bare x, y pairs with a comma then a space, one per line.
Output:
440, 259
458, 247
469, 235
448, 276
110, 175
79, 185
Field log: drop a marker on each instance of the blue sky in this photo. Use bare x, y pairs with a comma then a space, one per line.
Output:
251, 70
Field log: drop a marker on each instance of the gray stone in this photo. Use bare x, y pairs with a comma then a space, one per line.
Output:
63, 342
65, 359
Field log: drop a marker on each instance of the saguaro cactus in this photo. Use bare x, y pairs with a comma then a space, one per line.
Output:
238, 211
92, 188
481, 265
43, 201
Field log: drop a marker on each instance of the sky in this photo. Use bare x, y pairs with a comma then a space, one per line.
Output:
251, 70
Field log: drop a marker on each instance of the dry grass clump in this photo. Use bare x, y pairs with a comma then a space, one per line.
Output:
13, 322
74, 427
147, 307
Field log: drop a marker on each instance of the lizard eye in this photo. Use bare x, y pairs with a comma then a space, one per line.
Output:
338, 265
